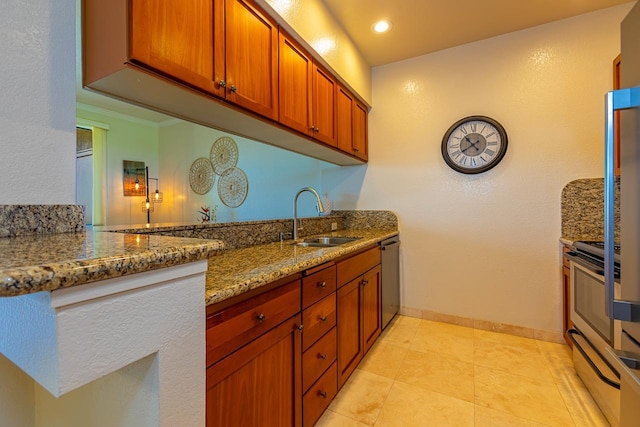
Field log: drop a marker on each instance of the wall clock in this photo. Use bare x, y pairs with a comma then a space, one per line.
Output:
474, 144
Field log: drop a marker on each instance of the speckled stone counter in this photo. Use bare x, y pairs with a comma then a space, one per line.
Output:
53, 261
240, 270
582, 208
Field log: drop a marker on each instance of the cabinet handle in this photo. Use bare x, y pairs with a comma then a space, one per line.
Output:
301, 328
355, 150
322, 284
322, 356
365, 282
323, 318
233, 88
261, 317
323, 394
222, 83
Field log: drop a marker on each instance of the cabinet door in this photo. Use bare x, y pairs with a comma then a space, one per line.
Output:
176, 38
371, 288
260, 384
344, 120
324, 98
349, 324
295, 69
251, 52
360, 131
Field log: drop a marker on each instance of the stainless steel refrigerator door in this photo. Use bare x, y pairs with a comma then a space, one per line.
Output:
630, 167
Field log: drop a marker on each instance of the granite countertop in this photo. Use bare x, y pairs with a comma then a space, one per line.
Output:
52, 261
239, 270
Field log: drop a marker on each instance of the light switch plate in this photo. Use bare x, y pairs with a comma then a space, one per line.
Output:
334, 226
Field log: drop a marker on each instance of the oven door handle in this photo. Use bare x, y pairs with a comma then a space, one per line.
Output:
576, 344
586, 264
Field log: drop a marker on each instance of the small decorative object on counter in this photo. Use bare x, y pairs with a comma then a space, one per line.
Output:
205, 214
328, 205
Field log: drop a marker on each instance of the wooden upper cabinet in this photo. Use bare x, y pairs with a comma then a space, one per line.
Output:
324, 110
176, 38
251, 53
295, 68
344, 120
360, 131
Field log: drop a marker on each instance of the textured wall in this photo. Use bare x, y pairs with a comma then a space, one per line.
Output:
486, 246
274, 177
37, 135
37, 121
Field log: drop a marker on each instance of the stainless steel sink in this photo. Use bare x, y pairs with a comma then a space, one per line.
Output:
325, 242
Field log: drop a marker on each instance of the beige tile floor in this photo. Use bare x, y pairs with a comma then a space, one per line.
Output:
425, 373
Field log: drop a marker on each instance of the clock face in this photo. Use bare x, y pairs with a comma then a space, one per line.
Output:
474, 144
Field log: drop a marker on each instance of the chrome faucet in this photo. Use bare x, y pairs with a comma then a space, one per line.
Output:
295, 209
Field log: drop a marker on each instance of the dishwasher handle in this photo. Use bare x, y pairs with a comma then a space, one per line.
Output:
390, 245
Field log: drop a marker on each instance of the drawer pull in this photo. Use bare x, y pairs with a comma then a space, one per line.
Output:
301, 328
322, 356
323, 318
365, 282
261, 317
322, 284
323, 394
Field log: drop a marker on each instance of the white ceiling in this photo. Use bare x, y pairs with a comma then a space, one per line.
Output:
425, 26
419, 27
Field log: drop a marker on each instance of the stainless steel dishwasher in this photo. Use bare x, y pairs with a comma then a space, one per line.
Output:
390, 264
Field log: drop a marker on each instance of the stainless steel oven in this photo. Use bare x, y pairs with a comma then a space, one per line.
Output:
594, 331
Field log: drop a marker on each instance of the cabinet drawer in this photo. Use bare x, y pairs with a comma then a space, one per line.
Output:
357, 264
318, 358
235, 326
318, 285
318, 319
316, 400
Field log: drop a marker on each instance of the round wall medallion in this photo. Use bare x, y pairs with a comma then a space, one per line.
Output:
233, 187
474, 144
224, 154
201, 176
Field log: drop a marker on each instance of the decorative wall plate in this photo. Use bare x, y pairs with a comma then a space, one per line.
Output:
201, 176
233, 187
224, 154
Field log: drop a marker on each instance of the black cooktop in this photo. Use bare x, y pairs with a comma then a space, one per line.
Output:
593, 253
596, 249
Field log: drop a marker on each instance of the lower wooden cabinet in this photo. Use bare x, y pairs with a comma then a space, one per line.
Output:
318, 397
278, 357
358, 309
258, 385
371, 318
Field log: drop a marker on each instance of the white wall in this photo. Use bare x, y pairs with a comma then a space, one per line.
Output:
37, 136
274, 176
170, 148
486, 246
37, 124
128, 138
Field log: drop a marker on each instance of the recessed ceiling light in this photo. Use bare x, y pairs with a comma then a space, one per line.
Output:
381, 26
